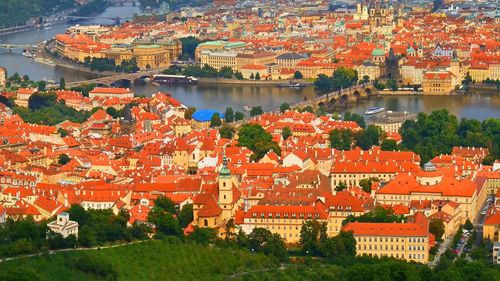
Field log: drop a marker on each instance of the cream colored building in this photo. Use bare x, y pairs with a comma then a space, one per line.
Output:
408, 241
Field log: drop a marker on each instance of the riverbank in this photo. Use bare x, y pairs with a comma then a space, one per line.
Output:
43, 53
264, 83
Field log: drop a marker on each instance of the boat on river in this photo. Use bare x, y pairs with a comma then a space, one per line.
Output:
291, 85
173, 79
374, 110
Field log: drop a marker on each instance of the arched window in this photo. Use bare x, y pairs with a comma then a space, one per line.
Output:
205, 222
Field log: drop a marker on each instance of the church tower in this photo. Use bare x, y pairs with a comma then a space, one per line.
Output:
225, 186
455, 65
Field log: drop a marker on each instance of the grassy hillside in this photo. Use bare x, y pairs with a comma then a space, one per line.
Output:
152, 260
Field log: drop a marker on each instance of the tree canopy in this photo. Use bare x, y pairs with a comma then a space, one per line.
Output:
255, 138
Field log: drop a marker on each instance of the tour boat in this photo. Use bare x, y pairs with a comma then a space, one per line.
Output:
28, 54
374, 110
291, 85
174, 79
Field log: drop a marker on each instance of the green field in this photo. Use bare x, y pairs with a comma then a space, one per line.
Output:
152, 260
171, 259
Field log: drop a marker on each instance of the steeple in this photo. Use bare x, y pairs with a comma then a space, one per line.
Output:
224, 171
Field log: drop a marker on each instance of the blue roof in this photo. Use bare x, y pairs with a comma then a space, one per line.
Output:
205, 115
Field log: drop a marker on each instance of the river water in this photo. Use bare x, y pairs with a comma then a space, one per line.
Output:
237, 96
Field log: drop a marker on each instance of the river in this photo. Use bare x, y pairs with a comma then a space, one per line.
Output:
237, 96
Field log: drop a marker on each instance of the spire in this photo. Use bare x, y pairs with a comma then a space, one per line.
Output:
224, 171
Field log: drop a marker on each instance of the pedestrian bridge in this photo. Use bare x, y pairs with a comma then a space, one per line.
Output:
341, 98
109, 80
15, 46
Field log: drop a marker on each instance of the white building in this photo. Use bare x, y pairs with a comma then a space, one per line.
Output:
63, 225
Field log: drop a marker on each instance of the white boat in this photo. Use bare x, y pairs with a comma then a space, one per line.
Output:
45, 61
248, 108
374, 110
28, 54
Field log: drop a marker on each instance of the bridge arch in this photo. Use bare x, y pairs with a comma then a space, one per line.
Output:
357, 94
122, 83
368, 91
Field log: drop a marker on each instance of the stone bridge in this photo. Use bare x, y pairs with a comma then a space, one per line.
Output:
109, 80
341, 98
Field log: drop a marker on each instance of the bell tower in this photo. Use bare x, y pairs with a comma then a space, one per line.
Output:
225, 185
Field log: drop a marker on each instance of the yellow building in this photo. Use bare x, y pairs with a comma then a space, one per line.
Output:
218, 47
438, 83
286, 221
147, 56
491, 227
409, 241
218, 60
289, 60
255, 58
368, 69
431, 185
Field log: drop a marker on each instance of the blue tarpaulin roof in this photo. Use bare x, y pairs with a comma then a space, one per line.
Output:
205, 115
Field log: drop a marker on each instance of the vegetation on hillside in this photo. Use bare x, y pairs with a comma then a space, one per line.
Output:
436, 133
44, 109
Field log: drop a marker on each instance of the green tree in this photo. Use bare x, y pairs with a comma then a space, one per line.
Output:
284, 107
468, 225
113, 112
488, 160
63, 159
257, 76
255, 138
226, 131
238, 75
37, 101
366, 184
298, 75
392, 84
312, 237
341, 186
62, 83
185, 216
263, 241
238, 116
366, 79
348, 116
467, 80
252, 76
389, 145
229, 115
368, 137
340, 139
203, 235
323, 84
62, 132
226, 72
286, 133
215, 121
436, 227
256, 110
